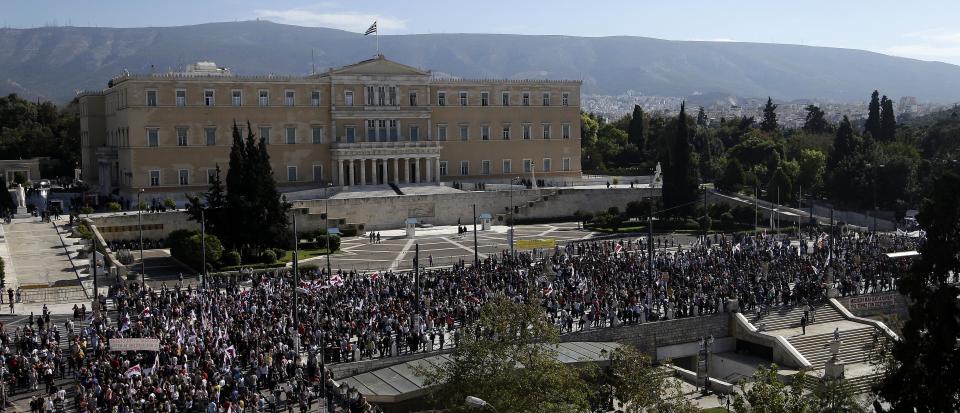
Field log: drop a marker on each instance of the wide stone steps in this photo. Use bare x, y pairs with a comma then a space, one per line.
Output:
856, 385
855, 346
789, 317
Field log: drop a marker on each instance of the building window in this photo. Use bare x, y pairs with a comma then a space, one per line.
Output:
526, 98
211, 136
485, 167
181, 97
566, 164
151, 98
413, 98
441, 98
546, 130
348, 97
464, 132
155, 178
184, 177
265, 134
505, 98
290, 97
565, 130
371, 130
236, 97
441, 132
527, 165
211, 175
565, 99
351, 134
414, 133
264, 98
317, 133
443, 168
546, 98
382, 130
315, 98
463, 98
506, 133
291, 135
546, 164
381, 96
394, 130
291, 174
369, 96
485, 132
153, 138
208, 98
464, 168
507, 166
317, 173
526, 131
393, 96
484, 98
181, 136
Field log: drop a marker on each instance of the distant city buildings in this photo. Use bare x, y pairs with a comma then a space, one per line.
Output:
790, 115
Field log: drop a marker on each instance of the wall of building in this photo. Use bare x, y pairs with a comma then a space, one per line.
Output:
648, 337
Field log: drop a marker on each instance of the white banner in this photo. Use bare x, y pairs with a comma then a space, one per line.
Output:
134, 344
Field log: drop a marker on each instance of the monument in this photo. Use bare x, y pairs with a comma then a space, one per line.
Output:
657, 177
20, 196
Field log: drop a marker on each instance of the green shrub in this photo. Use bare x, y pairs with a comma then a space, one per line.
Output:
114, 207
334, 243
86, 210
230, 258
268, 257
309, 267
349, 232
279, 252
169, 203
726, 219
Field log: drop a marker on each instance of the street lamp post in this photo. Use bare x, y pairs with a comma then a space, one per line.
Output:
476, 254
478, 402
143, 271
203, 245
511, 237
296, 286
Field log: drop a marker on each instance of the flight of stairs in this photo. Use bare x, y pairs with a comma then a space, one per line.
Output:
789, 317
855, 346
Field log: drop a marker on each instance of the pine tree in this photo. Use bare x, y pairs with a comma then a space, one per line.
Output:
844, 144
888, 121
769, 123
701, 118
873, 115
815, 122
680, 181
636, 131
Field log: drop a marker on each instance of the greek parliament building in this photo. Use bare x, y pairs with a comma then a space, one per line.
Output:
375, 122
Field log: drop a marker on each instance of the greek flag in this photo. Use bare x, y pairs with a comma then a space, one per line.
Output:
372, 29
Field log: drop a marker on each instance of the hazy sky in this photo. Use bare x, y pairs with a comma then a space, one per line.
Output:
922, 29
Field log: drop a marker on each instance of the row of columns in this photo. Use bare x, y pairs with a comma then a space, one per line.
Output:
346, 170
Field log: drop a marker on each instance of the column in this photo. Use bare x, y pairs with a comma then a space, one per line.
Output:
363, 171
384, 173
436, 161
396, 170
416, 170
428, 170
340, 171
406, 169
352, 176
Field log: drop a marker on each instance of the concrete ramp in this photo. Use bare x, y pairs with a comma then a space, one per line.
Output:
35, 256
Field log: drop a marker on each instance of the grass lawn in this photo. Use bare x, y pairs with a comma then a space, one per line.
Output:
303, 254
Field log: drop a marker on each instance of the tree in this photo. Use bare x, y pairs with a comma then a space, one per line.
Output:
768, 394
642, 387
510, 363
769, 122
635, 130
812, 167
921, 375
680, 181
845, 144
873, 115
779, 188
733, 176
888, 121
815, 121
701, 118
6, 201
835, 396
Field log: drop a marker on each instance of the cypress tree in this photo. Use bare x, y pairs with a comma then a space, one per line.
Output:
701, 117
636, 132
844, 144
769, 123
888, 121
680, 184
873, 115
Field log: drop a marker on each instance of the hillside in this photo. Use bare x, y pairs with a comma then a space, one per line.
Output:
52, 62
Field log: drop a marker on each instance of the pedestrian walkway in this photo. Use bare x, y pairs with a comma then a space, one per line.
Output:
36, 256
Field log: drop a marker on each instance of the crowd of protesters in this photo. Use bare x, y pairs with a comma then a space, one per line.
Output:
230, 346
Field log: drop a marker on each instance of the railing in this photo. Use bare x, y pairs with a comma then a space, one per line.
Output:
388, 144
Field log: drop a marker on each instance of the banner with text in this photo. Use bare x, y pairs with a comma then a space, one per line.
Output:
134, 344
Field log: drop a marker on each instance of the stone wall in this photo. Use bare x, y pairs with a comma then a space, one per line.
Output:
647, 337
156, 226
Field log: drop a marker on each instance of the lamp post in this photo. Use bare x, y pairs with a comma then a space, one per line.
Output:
478, 402
476, 254
203, 246
143, 271
296, 286
511, 236
326, 223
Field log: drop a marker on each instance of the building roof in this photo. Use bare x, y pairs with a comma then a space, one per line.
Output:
400, 382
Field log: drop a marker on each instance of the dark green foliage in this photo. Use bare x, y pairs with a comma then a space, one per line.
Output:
733, 176
230, 259
33, 129
679, 180
185, 246
635, 130
921, 376
701, 117
873, 115
888, 121
815, 122
769, 122
779, 188
268, 257
6, 201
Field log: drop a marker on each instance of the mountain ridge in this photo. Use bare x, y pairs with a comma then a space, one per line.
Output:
53, 62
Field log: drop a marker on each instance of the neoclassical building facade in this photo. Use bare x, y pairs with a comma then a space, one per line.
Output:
375, 122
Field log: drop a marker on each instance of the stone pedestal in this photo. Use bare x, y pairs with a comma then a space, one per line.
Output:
411, 226
733, 306
833, 293
835, 367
